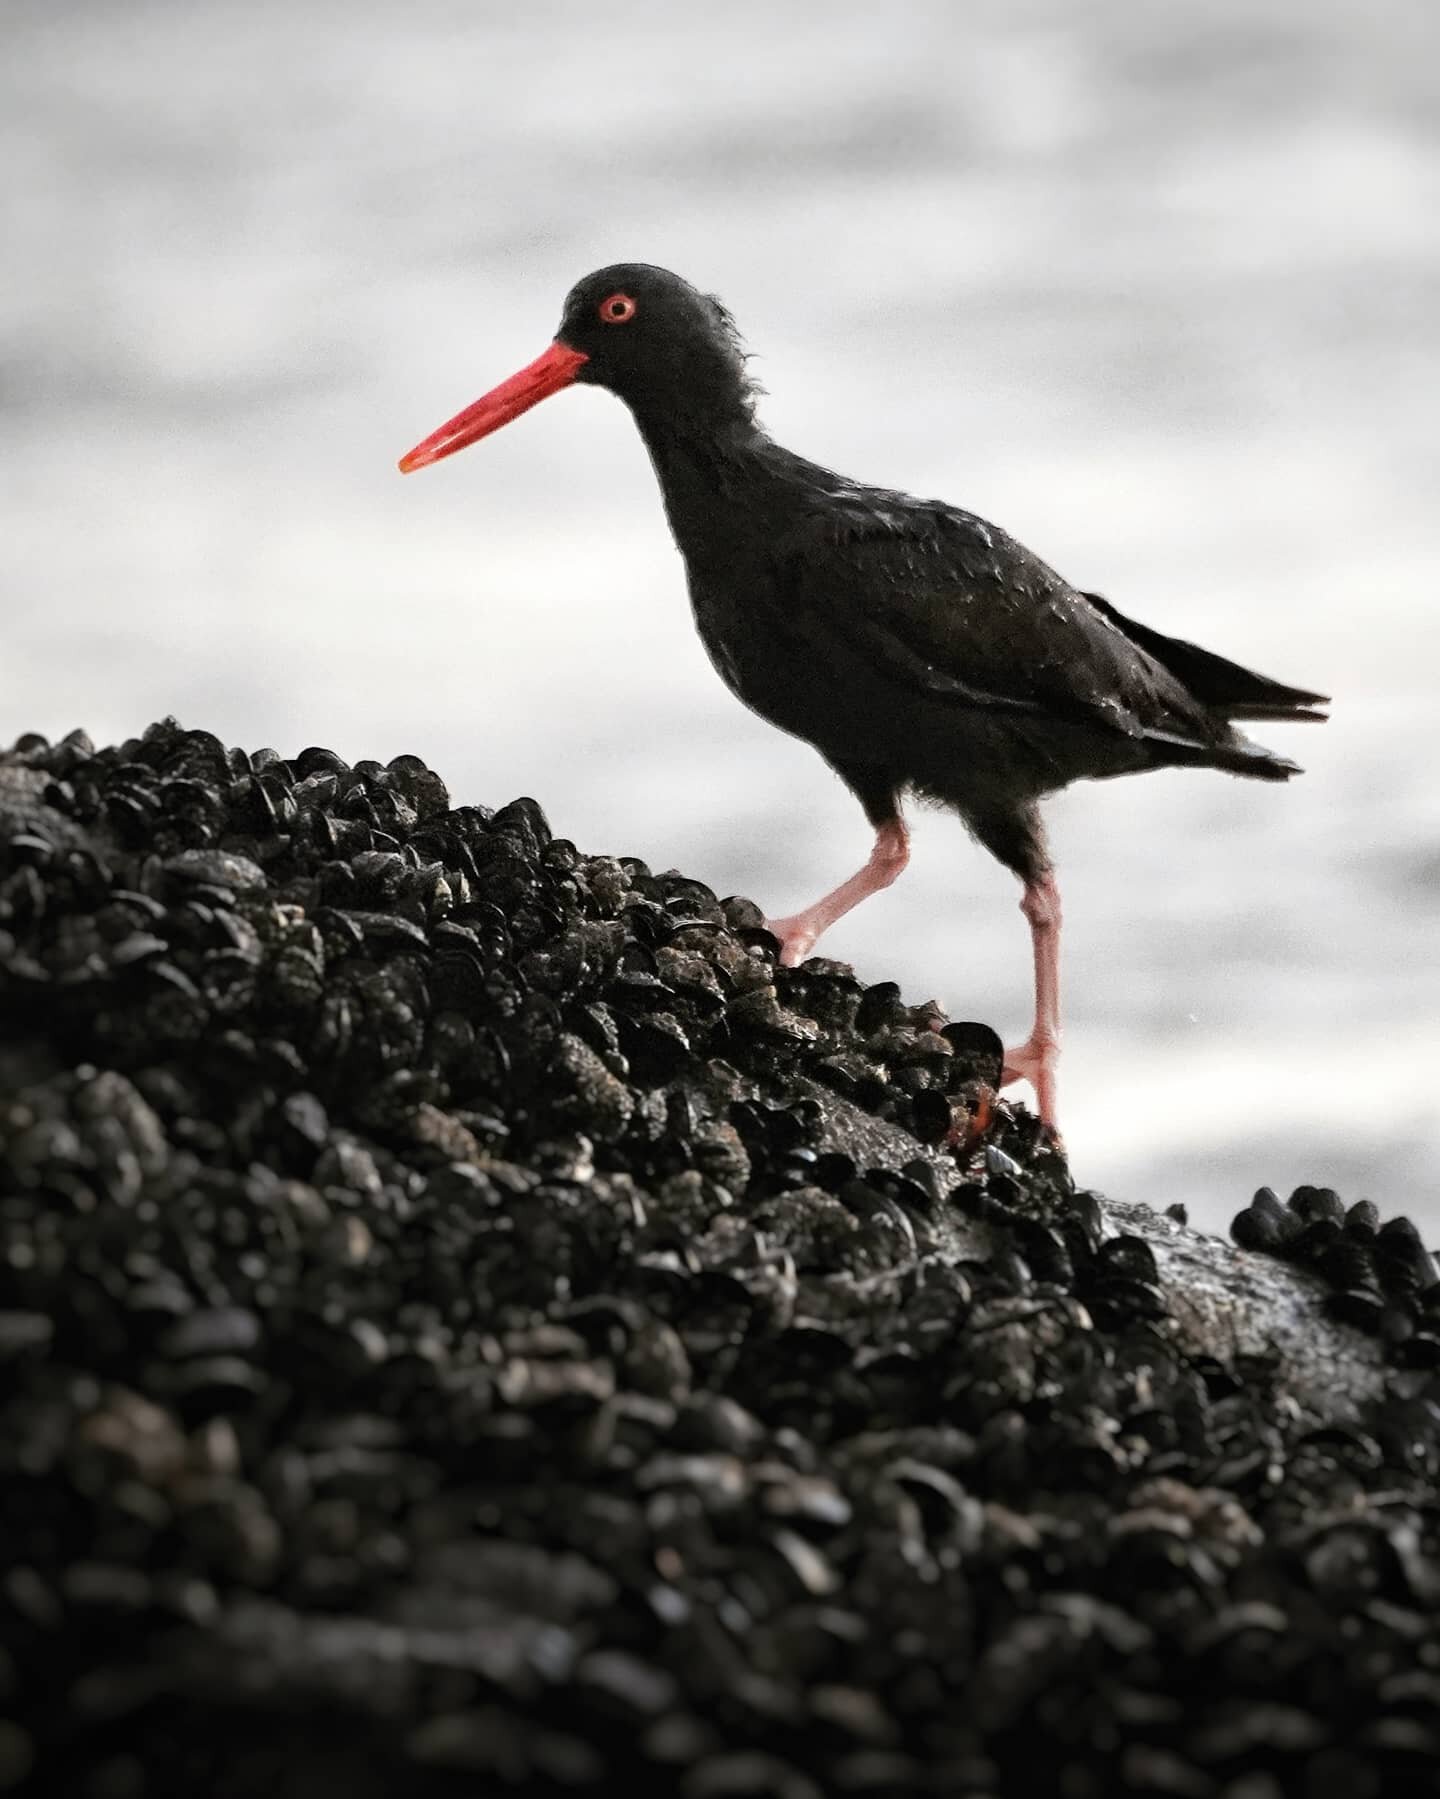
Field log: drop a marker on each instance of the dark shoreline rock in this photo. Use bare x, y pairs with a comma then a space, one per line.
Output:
470, 1323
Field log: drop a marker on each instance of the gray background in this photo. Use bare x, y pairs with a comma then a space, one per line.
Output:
1156, 287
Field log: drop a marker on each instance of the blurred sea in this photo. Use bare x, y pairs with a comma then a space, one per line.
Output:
1157, 288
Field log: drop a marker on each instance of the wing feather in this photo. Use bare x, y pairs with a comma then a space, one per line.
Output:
948, 608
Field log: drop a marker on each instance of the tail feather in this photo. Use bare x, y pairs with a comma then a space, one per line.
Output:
1284, 715
1237, 755
1222, 686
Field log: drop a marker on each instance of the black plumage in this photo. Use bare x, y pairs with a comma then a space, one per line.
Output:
917, 647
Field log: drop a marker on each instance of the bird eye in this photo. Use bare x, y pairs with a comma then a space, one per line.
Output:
619, 309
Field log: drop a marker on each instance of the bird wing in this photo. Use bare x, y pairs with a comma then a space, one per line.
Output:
940, 604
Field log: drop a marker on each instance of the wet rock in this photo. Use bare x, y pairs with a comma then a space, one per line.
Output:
471, 1321
225, 1330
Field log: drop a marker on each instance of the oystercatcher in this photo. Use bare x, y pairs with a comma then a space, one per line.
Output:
920, 649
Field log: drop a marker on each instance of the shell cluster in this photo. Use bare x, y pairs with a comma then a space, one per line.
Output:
1381, 1277
460, 1335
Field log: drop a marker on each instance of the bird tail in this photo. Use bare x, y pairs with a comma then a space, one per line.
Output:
1221, 686
1235, 754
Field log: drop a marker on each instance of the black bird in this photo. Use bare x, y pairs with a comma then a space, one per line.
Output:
918, 648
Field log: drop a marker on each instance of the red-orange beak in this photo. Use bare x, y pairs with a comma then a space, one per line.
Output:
554, 369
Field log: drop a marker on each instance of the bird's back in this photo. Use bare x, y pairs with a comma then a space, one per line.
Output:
911, 636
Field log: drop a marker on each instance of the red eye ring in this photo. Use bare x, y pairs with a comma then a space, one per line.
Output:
617, 309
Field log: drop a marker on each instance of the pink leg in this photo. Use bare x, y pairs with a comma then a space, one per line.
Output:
1037, 1059
800, 933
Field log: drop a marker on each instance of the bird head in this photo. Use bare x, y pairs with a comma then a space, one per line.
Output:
661, 345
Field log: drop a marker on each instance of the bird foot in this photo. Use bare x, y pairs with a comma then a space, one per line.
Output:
1025, 1061
1037, 1061
797, 937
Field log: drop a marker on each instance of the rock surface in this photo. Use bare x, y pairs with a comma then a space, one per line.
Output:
470, 1323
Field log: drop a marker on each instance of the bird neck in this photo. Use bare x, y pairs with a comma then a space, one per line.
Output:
714, 473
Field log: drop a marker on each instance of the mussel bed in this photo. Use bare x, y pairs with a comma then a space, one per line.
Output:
447, 1349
